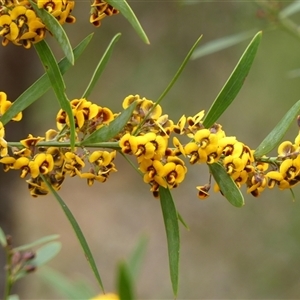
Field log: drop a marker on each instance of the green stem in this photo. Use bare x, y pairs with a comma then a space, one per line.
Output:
8, 279
131, 163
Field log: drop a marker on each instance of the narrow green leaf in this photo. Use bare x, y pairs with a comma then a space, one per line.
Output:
222, 43
290, 10
293, 195
172, 230
105, 133
273, 139
233, 84
185, 225
57, 83
101, 65
174, 79
136, 258
56, 30
179, 71
124, 284
3, 240
228, 187
78, 232
43, 240
127, 12
46, 253
42, 85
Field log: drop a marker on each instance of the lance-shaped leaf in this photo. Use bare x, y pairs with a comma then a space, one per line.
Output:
56, 30
42, 85
105, 133
43, 240
78, 232
46, 253
222, 43
233, 84
227, 186
290, 10
57, 83
172, 230
125, 283
127, 12
101, 65
273, 139
65, 286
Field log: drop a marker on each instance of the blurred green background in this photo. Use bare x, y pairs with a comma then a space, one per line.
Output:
252, 252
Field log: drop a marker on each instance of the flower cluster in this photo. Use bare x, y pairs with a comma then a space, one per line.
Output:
54, 163
20, 25
99, 10
146, 135
286, 170
4, 106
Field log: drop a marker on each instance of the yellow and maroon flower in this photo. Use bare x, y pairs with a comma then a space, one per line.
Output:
99, 10
203, 191
31, 141
8, 163
3, 143
37, 187
73, 164
174, 171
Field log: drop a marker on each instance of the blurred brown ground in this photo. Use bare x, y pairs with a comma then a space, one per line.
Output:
252, 252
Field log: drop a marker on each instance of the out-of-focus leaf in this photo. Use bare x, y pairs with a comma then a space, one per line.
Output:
78, 232
191, 2
294, 73
3, 240
43, 240
127, 12
228, 187
42, 256
136, 258
42, 85
46, 253
273, 139
57, 83
233, 84
124, 284
101, 65
105, 133
13, 297
56, 30
290, 10
222, 43
64, 286
172, 230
